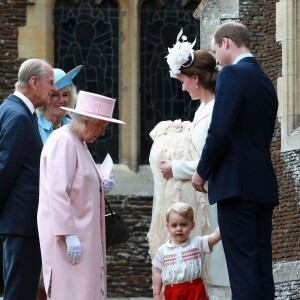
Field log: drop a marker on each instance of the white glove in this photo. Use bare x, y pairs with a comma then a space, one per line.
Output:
108, 184
74, 248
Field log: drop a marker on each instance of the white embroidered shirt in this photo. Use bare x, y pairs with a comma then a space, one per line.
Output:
181, 263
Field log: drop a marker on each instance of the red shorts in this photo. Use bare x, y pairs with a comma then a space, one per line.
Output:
190, 290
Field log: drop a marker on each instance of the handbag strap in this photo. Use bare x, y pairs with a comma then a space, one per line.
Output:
109, 207
90, 156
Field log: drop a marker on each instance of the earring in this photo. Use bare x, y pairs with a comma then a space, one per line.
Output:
196, 86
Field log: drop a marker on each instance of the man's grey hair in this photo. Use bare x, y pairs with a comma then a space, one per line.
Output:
31, 67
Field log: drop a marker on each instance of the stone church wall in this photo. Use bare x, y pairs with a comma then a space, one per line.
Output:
12, 16
129, 265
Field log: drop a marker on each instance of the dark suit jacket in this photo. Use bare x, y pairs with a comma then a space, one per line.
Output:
236, 158
20, 149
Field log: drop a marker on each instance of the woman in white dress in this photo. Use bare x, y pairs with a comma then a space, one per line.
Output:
174, 157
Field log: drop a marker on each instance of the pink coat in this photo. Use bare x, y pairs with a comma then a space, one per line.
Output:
71, 202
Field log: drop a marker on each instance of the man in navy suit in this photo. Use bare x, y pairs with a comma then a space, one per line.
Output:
236, 161
20, 149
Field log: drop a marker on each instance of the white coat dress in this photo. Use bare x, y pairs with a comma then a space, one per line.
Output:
71, 203
184, 147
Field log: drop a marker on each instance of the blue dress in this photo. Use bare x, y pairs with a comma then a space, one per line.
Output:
46, 127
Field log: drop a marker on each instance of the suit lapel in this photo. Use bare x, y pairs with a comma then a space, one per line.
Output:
35, 125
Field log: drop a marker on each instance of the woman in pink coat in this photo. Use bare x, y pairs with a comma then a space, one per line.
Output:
71, 209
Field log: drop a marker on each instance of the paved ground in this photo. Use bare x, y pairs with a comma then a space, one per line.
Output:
119, 298
139, 298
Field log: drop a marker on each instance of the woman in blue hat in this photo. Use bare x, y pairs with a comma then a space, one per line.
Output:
51, 116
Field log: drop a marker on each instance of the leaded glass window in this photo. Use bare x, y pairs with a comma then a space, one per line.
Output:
161, 96
87, 33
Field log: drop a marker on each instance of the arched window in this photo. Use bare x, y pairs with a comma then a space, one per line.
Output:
161, 96
113, 40
87, 33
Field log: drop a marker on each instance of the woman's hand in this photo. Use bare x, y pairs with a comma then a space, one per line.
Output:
166, 169
73, 248
108, 184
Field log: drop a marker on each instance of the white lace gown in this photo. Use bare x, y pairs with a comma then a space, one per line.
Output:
183, 146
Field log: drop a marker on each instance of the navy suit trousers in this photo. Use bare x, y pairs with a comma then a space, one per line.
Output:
21, 267
246, 229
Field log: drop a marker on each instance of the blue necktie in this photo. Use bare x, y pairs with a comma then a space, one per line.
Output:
35, 117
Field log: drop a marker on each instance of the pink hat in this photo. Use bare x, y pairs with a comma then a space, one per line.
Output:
94, 106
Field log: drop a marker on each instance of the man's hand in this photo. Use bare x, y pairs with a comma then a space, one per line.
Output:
198, 183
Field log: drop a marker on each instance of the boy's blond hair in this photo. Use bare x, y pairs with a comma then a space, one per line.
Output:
182, 209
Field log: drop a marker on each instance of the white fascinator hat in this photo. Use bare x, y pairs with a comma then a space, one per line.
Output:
181, 53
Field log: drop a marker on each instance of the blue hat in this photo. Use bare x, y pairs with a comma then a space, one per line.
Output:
61, 79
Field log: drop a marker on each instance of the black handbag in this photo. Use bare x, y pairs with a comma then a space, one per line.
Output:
116, 229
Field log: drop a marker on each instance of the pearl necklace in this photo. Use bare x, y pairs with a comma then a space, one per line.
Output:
77, 135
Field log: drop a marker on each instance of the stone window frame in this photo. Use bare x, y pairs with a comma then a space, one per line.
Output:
40, 26
288, 85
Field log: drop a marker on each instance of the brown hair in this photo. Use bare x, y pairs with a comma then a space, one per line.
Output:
237, 32
182, 209
203, 66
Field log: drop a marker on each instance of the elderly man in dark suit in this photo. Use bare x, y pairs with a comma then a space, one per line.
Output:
20, 149
236, 161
